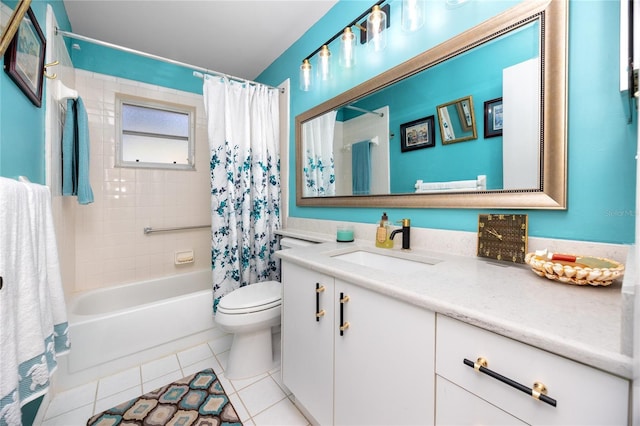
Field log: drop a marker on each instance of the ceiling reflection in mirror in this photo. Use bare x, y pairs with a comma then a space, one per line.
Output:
512, 69
454, 91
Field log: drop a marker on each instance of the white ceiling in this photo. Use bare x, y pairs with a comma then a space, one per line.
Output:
236, 37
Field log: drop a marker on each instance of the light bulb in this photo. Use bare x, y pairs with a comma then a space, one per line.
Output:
305, 76
376, 24
412, 14
348, 48
324, 63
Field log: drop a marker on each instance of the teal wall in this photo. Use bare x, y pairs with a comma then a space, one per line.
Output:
22, 150
601, 171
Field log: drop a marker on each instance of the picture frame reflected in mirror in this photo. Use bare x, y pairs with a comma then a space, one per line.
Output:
493, 118
457, 121
418, 134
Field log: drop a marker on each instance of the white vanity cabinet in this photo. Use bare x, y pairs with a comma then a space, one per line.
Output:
384, 360
307, 339
368, 359
583, 395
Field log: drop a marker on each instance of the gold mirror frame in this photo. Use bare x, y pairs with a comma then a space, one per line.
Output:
552, 193
12, 26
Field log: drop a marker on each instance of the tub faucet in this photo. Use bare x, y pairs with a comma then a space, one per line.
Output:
406, 234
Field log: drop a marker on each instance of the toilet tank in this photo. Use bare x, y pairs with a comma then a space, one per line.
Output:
288, 242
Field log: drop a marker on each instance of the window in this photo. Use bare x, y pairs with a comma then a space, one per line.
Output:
154, 134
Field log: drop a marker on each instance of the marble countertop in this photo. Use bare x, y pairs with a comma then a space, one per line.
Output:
582, 323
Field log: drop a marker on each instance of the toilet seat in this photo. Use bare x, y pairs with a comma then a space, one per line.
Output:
252, 298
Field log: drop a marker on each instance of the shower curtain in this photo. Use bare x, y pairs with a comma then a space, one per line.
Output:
319, 170
243, 131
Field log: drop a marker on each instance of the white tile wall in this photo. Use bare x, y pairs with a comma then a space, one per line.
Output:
110, 245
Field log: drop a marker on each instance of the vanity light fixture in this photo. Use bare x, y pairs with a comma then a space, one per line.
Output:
347, 48
412, 15
324, 63
305, 76
377, 20
376, 24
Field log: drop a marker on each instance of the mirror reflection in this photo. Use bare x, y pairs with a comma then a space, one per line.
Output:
454, 91
457, 122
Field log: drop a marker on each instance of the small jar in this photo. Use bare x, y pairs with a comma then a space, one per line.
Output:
344, 234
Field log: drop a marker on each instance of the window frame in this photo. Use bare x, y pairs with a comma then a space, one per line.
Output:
137, 101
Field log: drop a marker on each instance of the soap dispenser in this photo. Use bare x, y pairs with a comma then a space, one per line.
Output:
382, 233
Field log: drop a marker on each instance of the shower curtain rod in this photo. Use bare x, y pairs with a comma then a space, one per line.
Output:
157, 58
355, 108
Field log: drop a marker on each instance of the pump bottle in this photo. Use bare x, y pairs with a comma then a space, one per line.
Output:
382, 233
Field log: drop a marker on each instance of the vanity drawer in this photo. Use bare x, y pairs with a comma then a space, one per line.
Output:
583, 394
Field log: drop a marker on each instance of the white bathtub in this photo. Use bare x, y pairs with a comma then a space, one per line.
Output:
138, 322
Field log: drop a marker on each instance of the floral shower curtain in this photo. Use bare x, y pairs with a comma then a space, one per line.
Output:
243, 130
319, 170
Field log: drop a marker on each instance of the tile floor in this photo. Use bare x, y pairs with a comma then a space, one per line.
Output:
259, 401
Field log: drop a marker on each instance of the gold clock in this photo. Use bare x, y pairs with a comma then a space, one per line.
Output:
503, 236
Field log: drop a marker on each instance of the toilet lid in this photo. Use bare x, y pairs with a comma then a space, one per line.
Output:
256, 296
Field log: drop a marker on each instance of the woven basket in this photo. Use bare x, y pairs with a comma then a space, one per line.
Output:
573, 273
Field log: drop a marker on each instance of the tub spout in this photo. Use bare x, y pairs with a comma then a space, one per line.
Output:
406, 234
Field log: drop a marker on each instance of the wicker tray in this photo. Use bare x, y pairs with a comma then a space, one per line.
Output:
575, 273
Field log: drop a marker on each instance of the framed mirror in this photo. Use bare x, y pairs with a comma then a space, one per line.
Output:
525, 52
10, 21
457, 121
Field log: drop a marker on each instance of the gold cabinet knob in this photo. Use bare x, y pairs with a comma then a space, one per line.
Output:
344, 326
321, 313
320, 289
345, 299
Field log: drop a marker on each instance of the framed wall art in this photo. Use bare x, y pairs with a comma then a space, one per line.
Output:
24, 58
493, 118
418, 134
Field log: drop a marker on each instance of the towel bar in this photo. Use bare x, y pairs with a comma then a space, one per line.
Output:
149, 230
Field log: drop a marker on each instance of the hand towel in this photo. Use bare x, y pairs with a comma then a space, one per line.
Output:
361, 168
75, 152
69, 151
32, 309
85, 194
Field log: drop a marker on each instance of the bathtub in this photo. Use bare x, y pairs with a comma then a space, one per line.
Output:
138, 322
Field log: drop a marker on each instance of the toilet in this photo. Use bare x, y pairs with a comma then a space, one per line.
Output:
250, 313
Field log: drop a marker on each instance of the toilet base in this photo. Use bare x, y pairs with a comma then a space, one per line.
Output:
251, 354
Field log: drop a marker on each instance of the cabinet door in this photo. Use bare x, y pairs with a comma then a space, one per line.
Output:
457, 407
307, 341
384, 363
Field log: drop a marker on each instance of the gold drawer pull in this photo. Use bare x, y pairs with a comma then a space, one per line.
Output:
319, 312
538, 392
344, 298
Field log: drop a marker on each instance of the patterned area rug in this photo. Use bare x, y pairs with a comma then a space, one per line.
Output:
196, 400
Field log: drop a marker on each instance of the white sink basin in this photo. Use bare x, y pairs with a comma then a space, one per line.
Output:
388, 262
